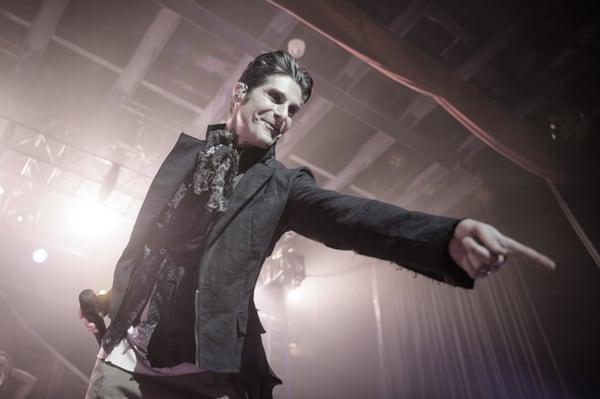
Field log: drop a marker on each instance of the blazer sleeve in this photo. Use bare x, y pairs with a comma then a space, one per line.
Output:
415, 240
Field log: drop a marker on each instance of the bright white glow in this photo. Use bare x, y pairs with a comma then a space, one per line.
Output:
296, 47
293, 348
19, 219
1, 191
90, 218
40, 255
295, 295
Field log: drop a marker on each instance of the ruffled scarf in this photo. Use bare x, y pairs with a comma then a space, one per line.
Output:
216, 169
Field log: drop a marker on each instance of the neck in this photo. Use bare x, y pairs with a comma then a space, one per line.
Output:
230, 126
239, 142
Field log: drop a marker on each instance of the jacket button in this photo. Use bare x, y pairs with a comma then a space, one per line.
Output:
162, 251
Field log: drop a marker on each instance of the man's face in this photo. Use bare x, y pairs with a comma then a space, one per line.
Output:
266, 112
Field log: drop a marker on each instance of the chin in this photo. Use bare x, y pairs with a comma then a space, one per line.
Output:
264, 140
264, 144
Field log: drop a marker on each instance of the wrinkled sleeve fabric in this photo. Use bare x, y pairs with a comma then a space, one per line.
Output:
414, 240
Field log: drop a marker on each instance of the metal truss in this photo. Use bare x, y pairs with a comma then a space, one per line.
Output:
40, 158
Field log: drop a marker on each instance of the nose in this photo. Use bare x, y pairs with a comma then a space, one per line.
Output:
281, 110
282, 116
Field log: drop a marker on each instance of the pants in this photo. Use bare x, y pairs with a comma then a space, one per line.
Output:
110, 382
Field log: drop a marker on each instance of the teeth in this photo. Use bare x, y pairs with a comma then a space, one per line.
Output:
270, 125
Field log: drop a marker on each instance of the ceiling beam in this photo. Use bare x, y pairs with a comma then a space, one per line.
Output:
312, 166
352, 73
364, 157
457, 186
354, 70
422, 184
154, 40
381, 122
422, 105
214, 111
438, 14
39, 36
40, 33
549, 87
516, 139
561, 69
307, 119
412, 13
105, 63
436, 189
119, 97
278, 29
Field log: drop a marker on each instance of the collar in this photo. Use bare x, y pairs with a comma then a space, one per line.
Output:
248, 156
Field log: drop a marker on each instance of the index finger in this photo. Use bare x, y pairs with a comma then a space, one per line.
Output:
516, 248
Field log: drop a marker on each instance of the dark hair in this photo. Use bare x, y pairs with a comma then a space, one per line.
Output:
276, 63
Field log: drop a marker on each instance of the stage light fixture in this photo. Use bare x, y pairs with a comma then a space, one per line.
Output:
296, 47
293, 348
40, 255
294, 295
90, 218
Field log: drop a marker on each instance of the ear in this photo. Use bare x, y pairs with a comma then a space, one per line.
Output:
239, 92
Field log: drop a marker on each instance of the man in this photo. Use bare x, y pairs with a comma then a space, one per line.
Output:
183, 320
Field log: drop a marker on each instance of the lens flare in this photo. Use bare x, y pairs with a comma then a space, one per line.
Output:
39, 255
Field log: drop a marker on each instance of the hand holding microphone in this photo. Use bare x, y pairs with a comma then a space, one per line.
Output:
89, 312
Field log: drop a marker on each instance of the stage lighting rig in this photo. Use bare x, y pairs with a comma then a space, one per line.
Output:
285, 269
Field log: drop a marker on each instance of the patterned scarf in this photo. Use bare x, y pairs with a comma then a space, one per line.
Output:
216, 169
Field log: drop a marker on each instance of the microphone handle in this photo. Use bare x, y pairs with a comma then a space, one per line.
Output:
88, 301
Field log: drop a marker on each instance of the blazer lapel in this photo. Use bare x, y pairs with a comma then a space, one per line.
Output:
244, 191
180, 160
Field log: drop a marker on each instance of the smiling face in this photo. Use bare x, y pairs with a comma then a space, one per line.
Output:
265, 112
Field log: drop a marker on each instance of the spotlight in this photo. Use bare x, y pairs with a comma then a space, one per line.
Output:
294, 295
90, 218
19, 219
40, 255
296, 47
293, 348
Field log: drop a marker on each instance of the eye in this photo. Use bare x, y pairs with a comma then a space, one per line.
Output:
276, 97
292, 111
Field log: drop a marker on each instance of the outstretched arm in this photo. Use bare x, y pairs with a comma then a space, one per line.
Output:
414, 240
449, 250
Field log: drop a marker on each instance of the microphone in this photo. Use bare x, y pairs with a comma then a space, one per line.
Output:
90, 309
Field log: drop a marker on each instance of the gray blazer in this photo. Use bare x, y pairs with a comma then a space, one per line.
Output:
269, 200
